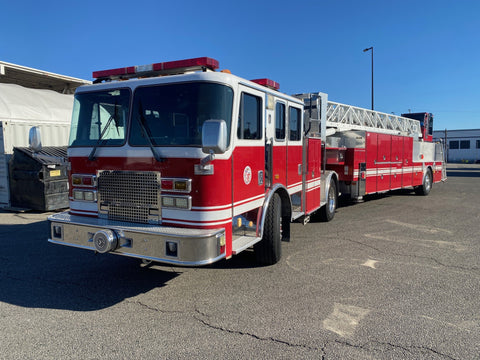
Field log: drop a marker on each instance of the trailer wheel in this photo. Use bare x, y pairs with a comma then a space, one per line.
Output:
327, 212
426, 186
269, 250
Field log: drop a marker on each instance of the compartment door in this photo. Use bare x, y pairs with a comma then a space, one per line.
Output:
383, 162
312, 181
371, 156
407, 162
397, 162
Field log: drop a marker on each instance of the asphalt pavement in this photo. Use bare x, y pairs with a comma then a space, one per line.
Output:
394, 277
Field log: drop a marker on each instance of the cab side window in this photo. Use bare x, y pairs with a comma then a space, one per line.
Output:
295, 123
250, 118
280, 121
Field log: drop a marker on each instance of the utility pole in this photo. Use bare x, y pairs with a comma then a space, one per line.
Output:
365, 50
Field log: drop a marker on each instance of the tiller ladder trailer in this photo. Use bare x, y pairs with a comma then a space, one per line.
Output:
178, 163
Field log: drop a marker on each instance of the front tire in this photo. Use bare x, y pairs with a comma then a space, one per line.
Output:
426, 186
269, 250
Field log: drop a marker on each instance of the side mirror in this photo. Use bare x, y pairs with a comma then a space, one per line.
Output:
34, 139
214, 136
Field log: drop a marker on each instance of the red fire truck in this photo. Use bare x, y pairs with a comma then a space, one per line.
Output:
179, 163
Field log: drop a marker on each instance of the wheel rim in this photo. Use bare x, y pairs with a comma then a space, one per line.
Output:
331, 200
428, 181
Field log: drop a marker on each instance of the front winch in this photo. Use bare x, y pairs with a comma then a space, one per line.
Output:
105, 241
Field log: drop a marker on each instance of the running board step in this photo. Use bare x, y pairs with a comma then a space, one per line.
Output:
297, 214
243, 242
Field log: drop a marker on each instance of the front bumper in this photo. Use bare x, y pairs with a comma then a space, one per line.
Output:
152, 242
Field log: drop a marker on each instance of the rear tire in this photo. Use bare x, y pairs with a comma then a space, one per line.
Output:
269, 250
327, 212
426, 186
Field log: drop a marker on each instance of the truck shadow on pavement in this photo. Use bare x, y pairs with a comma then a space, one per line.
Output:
37, 274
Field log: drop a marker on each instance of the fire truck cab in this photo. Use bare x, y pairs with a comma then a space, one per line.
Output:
178, 163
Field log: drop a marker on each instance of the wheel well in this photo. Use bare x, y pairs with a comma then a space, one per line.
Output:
429, 168
286, 204
335, 178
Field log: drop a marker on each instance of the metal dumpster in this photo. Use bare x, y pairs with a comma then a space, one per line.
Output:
39, 180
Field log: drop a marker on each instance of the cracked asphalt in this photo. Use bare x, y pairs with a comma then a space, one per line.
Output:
394, 277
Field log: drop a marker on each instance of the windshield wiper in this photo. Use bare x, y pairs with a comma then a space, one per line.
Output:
100, 140
147, 134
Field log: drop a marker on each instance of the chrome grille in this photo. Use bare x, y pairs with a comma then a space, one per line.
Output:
129, 196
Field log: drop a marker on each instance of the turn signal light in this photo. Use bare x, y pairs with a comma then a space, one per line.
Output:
76, 180
87, 180
167, 184
180, 185
83, 180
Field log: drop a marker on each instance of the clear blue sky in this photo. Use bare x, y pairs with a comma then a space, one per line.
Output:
426, 52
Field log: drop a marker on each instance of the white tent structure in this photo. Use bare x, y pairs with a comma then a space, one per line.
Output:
20, 109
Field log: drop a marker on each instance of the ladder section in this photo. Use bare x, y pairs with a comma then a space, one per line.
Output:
346, 117
327, 117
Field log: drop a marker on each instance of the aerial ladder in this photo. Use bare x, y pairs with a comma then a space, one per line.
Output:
340, 118
343, 127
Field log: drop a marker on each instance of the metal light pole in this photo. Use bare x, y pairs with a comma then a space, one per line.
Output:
365, 50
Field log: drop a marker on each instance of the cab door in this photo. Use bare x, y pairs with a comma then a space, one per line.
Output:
295, 156
249, 153
278, 138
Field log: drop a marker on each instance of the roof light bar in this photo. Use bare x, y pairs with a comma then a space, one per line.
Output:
267, 83
164, 68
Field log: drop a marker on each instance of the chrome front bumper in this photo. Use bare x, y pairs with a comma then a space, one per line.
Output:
193, 247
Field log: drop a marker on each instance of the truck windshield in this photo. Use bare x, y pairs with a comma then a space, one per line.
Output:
173, 114
99, 118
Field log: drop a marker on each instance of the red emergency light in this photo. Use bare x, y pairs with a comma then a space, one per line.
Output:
268, 83
163, 68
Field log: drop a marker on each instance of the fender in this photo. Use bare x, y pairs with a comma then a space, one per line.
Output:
286, 206
328, 178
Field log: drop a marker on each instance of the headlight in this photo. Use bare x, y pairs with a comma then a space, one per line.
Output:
181, 203
78, 195
177, 202
89, 196
84, 195
168, 201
